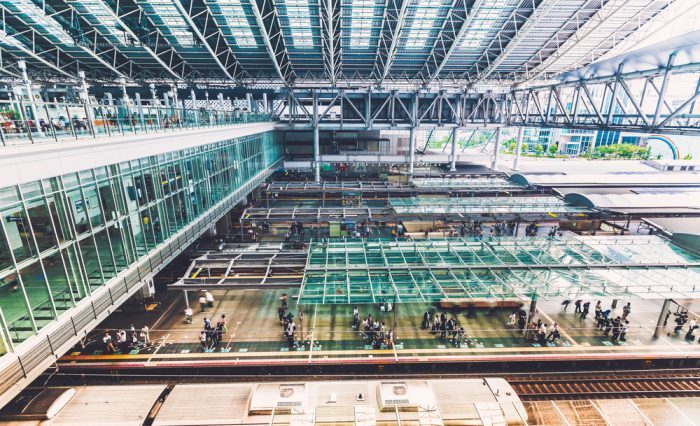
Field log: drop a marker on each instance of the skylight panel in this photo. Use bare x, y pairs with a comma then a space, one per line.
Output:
361, 22
483, 22
173, 20
423, 22
237, 22
103, 14
38, 16
299, 22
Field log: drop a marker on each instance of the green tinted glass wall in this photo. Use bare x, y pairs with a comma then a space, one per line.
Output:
60, 238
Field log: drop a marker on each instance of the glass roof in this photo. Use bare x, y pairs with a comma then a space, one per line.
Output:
299, 21
361, 271
36, 15
104, 17
424, 21
465, 183
168, 17
484, 19
482, 205
362, 13
237, 21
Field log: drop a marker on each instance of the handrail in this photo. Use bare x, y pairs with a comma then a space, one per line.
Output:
25, 122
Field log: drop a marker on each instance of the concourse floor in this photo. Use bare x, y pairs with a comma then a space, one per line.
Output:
255, 331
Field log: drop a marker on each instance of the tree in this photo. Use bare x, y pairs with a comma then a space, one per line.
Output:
553, 150
510, 145
523, 148
539, 149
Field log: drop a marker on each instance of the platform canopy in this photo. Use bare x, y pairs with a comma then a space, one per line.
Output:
460, 269
485, 205
475, 184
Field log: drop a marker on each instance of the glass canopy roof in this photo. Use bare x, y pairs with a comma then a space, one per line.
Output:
483, 205
466, 183
459, 269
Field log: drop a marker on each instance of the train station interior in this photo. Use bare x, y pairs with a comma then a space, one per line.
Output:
350, 212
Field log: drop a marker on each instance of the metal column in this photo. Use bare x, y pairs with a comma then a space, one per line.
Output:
453, 157
317, 156
662, 317
30, 96
518, 148
496, 148
411, 152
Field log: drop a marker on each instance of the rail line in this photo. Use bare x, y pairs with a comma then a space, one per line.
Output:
585, 386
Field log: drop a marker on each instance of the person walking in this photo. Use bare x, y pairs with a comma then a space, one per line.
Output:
586, 308
577, 304
626, 310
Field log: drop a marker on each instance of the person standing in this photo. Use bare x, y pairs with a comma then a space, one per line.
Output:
145, 335
577, 304
107, 341
203, 302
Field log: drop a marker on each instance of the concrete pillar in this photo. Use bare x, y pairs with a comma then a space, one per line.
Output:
137, 100
518, 147
662, 317
496, 147
266, 108
125, 96
453, 156
317, 156
411, 152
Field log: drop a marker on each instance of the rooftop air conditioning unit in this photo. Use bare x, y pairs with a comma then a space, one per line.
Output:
280, 398
407, 396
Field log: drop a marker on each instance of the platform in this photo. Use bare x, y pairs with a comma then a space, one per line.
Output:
255, 339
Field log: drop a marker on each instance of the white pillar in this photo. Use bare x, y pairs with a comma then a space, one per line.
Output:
518, 148
453, 156
317, 156
411, 152
195, 109
28, 87
496, 147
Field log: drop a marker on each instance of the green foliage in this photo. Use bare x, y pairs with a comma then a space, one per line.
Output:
539, 149
552, 150
688, 157
524, 148
622, 151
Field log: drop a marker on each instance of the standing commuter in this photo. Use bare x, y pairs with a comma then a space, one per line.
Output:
203, 302
577, 304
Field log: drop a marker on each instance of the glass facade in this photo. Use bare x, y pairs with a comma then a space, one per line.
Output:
63, 237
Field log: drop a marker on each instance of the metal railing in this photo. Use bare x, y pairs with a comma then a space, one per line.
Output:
23, 122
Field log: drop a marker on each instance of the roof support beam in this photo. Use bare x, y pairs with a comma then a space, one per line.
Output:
211, 37
31, 53
459, 20
585, 29
329, 11
395, 13
157, 52
268, 23
489, 61
42, 12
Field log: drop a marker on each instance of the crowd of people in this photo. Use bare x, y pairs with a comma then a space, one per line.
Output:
682, 318
375, 332
446, 328
613, 328
125, 341
211, 336
534, 330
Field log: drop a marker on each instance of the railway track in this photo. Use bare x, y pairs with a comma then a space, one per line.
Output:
583, 386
